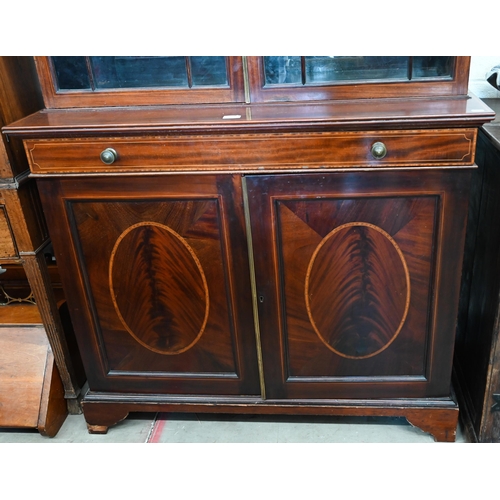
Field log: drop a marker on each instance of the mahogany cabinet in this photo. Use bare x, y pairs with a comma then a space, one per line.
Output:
262, 256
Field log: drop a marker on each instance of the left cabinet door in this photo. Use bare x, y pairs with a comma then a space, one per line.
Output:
156, 273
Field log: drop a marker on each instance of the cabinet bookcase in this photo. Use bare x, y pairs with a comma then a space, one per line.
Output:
296, 249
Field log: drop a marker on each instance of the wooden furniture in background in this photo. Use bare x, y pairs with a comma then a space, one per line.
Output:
277, 257
477, 357
31, 390
23, 230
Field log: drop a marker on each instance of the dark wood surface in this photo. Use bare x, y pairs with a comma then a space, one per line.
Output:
201, 268
178, 320
300, 224
24, 211
20, 96
439, 417
354, 114
255, 152
364, 293
413, 223
477, 357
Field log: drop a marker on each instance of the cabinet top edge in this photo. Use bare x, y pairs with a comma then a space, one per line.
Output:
241, 118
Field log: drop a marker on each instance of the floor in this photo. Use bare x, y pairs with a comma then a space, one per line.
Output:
370, 457
200, 428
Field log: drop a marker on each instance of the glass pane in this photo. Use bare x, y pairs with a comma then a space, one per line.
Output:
208, 70
322, 69
71, 73
282, 69
112, 72
432, 66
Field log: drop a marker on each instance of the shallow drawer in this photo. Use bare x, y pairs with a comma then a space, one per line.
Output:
253, 153
7, 247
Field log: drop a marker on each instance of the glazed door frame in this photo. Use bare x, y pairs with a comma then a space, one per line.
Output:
290, 326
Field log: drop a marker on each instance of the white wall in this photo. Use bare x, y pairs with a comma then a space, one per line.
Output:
479, 68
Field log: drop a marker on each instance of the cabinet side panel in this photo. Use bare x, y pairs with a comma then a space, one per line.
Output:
478, 328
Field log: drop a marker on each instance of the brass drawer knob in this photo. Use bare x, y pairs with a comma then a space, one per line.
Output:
379, 150
109, 156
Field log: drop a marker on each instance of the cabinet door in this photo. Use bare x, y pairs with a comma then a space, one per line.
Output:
156, 274
357, 278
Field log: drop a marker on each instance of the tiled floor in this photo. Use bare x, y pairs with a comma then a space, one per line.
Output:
200, 428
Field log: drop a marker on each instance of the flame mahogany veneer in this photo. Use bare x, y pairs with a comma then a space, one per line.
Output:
264, 264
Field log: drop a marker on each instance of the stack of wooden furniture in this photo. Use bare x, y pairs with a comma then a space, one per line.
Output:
279, 235
33, 393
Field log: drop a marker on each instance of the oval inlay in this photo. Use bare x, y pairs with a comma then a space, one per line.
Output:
357, 290
158, 288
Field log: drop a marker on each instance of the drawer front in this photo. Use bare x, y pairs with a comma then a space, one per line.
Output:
7, 247
255, 153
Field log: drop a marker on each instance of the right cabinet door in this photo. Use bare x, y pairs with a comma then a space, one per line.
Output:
357, 279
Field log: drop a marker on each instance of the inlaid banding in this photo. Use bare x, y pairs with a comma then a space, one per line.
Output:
158, 288
357, 290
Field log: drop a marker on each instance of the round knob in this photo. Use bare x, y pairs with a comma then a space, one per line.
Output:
109, 156
379, 150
